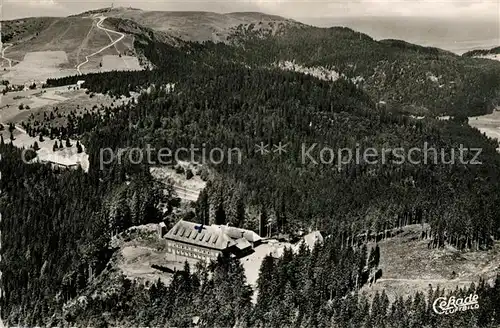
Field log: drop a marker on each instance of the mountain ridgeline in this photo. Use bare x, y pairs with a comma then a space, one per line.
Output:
57, 226
408, 78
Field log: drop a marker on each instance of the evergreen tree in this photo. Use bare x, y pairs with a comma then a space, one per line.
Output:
267, 288
79, 147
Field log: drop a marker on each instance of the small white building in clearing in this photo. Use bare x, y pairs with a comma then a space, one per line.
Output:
80, 83
277, 248
309, 240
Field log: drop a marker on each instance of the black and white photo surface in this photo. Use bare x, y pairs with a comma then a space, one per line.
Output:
250, 163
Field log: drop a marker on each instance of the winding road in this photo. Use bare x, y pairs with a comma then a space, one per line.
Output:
99, 25
5, 47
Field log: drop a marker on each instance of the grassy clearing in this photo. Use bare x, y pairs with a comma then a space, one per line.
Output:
35, 99
66, 156
139, 248
43, 101
488, 124
64, 34
117, 63
409, 266
36, 41
186, 189
38, 66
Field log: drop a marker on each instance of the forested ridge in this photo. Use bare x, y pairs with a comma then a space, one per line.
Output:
234, 106
56, 226
318, 288
482, 52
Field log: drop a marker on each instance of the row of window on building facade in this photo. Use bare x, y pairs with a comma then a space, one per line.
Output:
190, 251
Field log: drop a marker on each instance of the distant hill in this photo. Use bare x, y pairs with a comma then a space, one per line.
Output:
414, 47
16, 30
197, 26
77, 35
347, 94
191, 25
407, 77
482, 52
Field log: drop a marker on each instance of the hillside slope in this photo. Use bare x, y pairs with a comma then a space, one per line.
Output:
405, 77
196, 26
75, 36
41, 48
231, 95
408, 266
19, 29
482, 52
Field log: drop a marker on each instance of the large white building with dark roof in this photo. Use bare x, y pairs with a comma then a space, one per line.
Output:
186, 239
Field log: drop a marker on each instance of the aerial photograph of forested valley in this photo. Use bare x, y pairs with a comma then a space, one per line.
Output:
250, 164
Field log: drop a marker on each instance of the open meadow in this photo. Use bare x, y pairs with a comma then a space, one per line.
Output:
38, 67
408, 265
55, 48
37, 103
488, 124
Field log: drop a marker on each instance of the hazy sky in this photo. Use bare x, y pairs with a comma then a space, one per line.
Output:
460, 9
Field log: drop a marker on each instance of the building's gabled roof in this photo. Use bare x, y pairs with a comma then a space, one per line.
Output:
237, 233
311, 239
242, 244
209, 236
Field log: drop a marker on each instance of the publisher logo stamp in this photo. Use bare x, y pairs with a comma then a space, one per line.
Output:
443, 305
